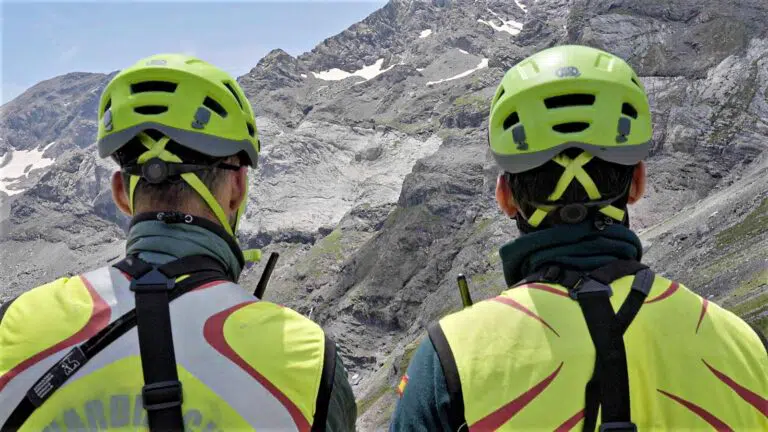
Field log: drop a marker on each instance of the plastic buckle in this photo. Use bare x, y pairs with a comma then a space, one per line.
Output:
154, 281
618, 426
161, 395
174, 217
589, 287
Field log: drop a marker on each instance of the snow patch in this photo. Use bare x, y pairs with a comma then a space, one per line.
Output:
15, 165
510, 26
367, 72
425, 33
483, 64
521, 6
303, 75
462, 51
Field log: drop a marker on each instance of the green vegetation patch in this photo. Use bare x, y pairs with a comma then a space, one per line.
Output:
761, 324
367, 402
473, 100
329, 245
754, 224
756, 304
744, 289
408, 353
486, 278
481, 225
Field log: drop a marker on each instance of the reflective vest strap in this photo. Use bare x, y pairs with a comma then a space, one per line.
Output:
326, 385
162, 392
451, 373
202, 270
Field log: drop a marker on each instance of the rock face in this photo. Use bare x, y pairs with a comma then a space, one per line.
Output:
376, 184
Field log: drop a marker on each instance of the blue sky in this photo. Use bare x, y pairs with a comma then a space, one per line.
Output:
44, 40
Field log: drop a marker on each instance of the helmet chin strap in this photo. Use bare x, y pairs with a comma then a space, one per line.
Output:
156, 149
574, 169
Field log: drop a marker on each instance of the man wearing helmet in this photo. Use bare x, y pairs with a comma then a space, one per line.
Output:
586, 334
98, 351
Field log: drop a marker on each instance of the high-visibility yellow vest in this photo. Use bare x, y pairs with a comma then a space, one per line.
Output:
243, 363
523, 359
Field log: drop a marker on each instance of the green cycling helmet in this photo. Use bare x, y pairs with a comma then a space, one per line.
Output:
190, 102
569, 97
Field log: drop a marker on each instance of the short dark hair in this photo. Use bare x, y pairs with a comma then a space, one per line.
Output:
537, 184
175, 193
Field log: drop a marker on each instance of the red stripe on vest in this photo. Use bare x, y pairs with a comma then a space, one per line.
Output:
705, 415
512, 303
749, 397
546, 288
502, 415
571, 422
100, 317
704, 305
668, 292
213, 331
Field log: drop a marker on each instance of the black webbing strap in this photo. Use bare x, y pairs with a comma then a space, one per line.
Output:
201, 270
609, 385
326, 386
451, 373
161, 394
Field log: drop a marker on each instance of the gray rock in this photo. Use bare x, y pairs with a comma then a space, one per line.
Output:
378, 190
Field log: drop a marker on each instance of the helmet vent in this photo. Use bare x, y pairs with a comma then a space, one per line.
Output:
153, 86
231, 89
251, 129
634, 80
571, 127
108, 105
498, 98
512, 120
151, 109
214, 106
629, 110
569, 100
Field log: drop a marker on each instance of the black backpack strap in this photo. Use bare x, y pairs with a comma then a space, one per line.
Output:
201, 269
326, 386
451, 373
161, 394
133, 266
609, 385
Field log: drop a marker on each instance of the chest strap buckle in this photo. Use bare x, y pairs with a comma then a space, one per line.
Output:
587, 287
618, 426
153, 281
161, 395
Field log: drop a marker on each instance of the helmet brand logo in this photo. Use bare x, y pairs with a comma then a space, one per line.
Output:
568, 72
518, 135
157, 62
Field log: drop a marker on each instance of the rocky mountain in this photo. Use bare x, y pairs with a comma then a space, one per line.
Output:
376, 182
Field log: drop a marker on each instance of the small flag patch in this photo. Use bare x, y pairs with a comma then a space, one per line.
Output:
401, 387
